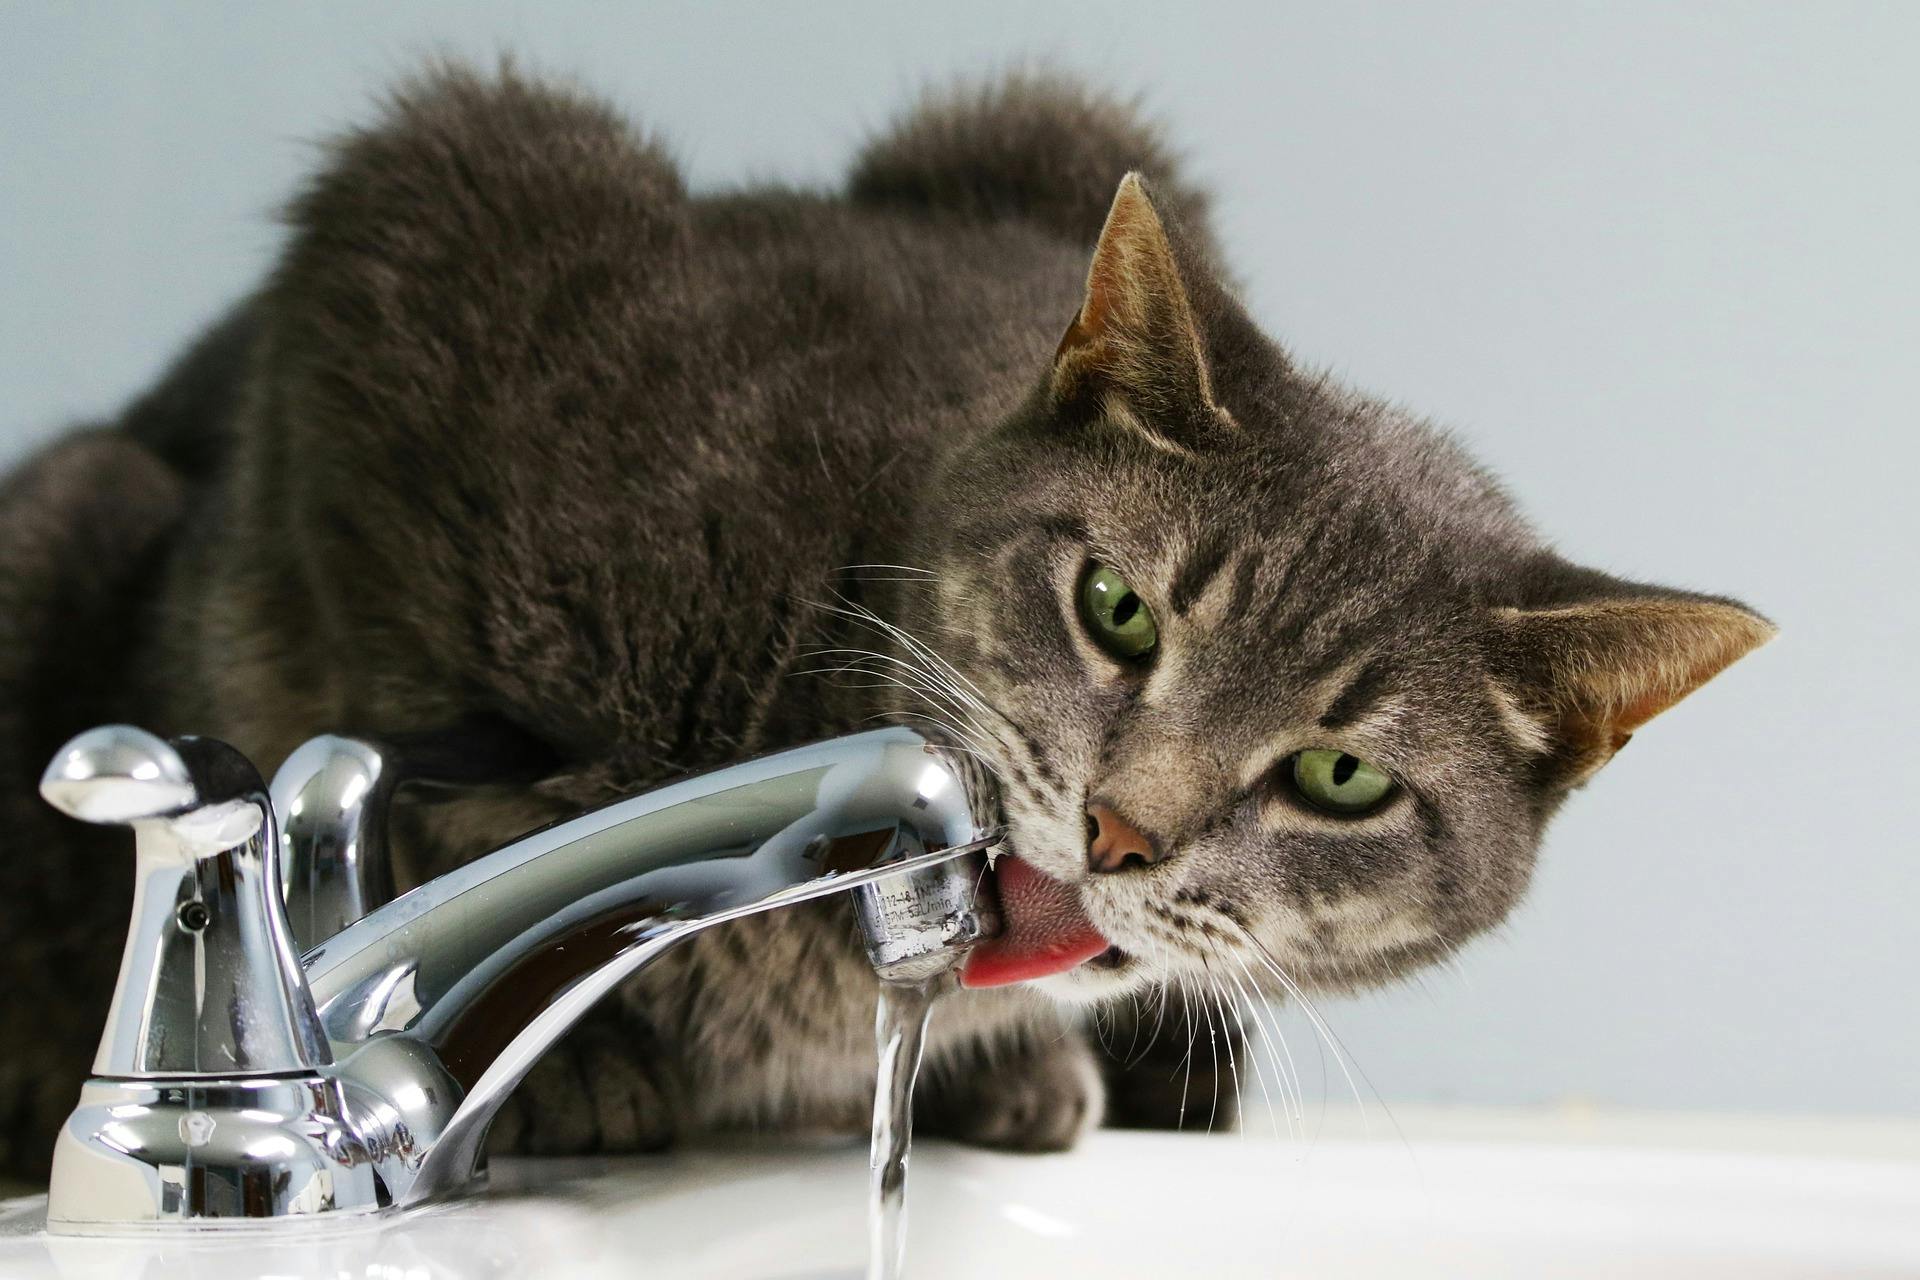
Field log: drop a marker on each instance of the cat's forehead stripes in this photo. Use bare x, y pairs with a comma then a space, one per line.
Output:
1360, 697
1198, 570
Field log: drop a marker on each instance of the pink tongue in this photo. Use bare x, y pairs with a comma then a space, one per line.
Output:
1044, 931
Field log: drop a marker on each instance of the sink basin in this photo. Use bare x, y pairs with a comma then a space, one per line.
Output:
1520, 1203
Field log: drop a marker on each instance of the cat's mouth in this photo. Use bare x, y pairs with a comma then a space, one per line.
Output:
1044, 931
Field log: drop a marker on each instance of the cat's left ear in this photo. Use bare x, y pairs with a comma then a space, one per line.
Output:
1591, 673
1134, 351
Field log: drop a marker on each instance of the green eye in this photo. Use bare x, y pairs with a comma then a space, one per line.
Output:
1340, 783
1115, 616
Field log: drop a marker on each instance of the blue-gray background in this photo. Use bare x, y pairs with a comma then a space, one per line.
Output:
1657, 264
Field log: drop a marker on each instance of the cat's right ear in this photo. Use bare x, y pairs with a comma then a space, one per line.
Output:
1134, 352
1584, 676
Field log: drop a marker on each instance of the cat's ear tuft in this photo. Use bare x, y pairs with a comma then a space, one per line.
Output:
1134, 351
1593, 671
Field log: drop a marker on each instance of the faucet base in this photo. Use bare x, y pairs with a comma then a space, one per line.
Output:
207, 1153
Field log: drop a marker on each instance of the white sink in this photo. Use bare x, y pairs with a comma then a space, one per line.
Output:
1123, 1205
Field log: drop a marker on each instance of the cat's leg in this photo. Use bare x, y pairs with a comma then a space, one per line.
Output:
83, 527
1016, 1091
1172, 1061
609, 1086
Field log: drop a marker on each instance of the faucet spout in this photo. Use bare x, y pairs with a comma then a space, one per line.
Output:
431, 1007
479, 972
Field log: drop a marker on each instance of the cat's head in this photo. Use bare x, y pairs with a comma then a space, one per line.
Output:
1266, 666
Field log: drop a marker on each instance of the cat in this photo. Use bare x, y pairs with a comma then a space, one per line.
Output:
521, 442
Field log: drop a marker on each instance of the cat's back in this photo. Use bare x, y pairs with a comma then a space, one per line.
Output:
802, 322
516, 268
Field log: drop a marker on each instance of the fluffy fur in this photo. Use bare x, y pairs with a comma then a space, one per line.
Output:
520, 438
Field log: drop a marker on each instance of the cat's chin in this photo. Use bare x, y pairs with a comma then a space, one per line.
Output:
1111, 973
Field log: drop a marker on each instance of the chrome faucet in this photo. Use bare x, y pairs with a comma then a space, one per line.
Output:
238, 1079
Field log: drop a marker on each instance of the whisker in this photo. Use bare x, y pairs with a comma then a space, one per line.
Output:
1334, 1042
928, 684
906, 568
1233, 1063
902, 675
939, 674
920, 648
1282, 1054
1313, 1016
1186, 1007
1213, 1047
1281, 1059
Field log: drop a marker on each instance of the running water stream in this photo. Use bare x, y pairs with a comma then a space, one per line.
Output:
900, 1027
919, 929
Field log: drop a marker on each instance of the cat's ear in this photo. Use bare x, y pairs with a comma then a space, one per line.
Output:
1134, 350
1588, 674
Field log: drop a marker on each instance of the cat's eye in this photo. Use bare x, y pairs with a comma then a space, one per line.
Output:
1115, 615
1340, 782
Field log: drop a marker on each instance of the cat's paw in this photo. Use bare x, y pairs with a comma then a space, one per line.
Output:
1037, 1098
596, 1091
1172, 1068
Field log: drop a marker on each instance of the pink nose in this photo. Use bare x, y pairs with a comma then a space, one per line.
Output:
1116, 844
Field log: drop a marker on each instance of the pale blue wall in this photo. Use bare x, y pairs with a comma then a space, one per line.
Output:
1657, 264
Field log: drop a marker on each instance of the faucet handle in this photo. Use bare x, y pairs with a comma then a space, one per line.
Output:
332, 795
118, 775
209, 984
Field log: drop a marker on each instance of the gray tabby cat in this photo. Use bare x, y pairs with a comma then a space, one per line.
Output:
522, 448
